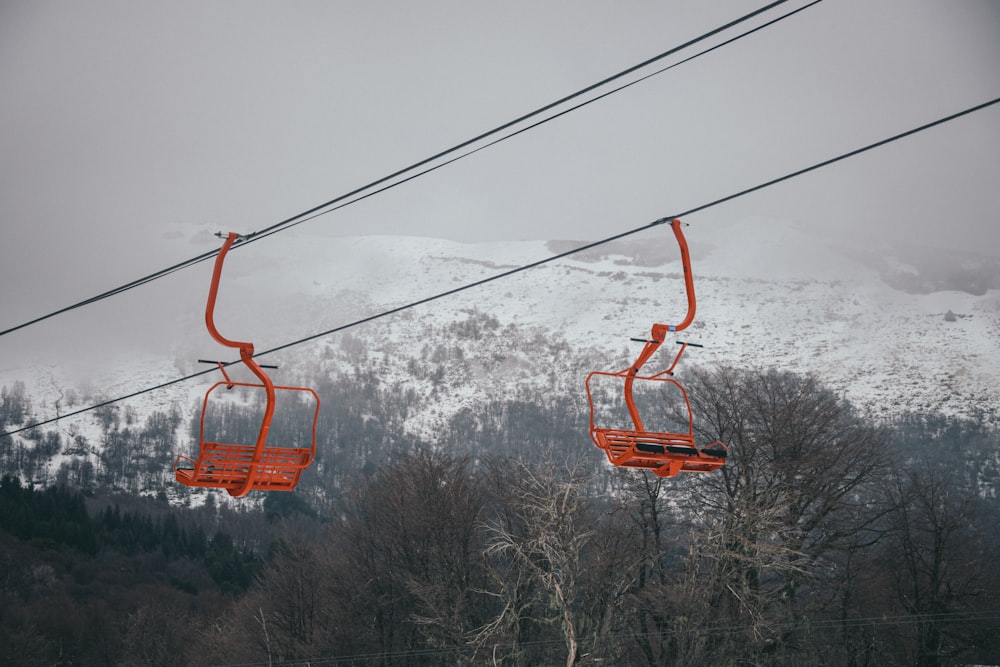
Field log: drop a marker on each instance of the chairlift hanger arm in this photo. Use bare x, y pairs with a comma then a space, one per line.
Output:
245, 348
241, 467
213, 293
666, 453
659, 331
246, 356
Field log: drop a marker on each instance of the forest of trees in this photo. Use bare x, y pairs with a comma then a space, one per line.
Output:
509, 539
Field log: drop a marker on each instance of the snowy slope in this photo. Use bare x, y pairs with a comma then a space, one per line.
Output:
770, 294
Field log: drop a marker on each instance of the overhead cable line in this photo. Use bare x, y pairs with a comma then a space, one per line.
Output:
532, 265
536, 112
346, 200
371, 193
630, 232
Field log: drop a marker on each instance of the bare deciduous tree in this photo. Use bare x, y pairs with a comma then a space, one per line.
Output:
536, 545
796, 489
409, 545
936, 544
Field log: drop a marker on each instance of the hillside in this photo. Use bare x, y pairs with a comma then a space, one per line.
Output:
770, 294
453, 458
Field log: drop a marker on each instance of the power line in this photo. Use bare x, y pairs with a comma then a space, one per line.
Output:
345, 199
636, 230
532, 265
561, 113
826, 163
520, 119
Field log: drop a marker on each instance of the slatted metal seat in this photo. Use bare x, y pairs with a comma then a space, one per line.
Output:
230, 465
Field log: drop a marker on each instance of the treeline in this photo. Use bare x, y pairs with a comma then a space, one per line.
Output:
371, 392
81, 575
57, 518
825, 540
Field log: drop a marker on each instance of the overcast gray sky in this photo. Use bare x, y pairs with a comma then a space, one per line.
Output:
126, 127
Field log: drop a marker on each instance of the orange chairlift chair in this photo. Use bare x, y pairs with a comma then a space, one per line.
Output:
666, 454
241, 468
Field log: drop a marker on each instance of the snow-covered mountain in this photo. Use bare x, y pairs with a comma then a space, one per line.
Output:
770, 293
873, 324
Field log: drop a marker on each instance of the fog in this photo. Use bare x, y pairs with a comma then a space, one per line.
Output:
130, 131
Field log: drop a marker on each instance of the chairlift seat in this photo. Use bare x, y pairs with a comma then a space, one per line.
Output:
664, 453
229, 465
241, 468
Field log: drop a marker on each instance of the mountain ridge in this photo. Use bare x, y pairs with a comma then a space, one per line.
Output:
770, 294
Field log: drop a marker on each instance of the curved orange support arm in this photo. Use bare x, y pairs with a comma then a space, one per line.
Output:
246, 356
213, 292
660, 331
